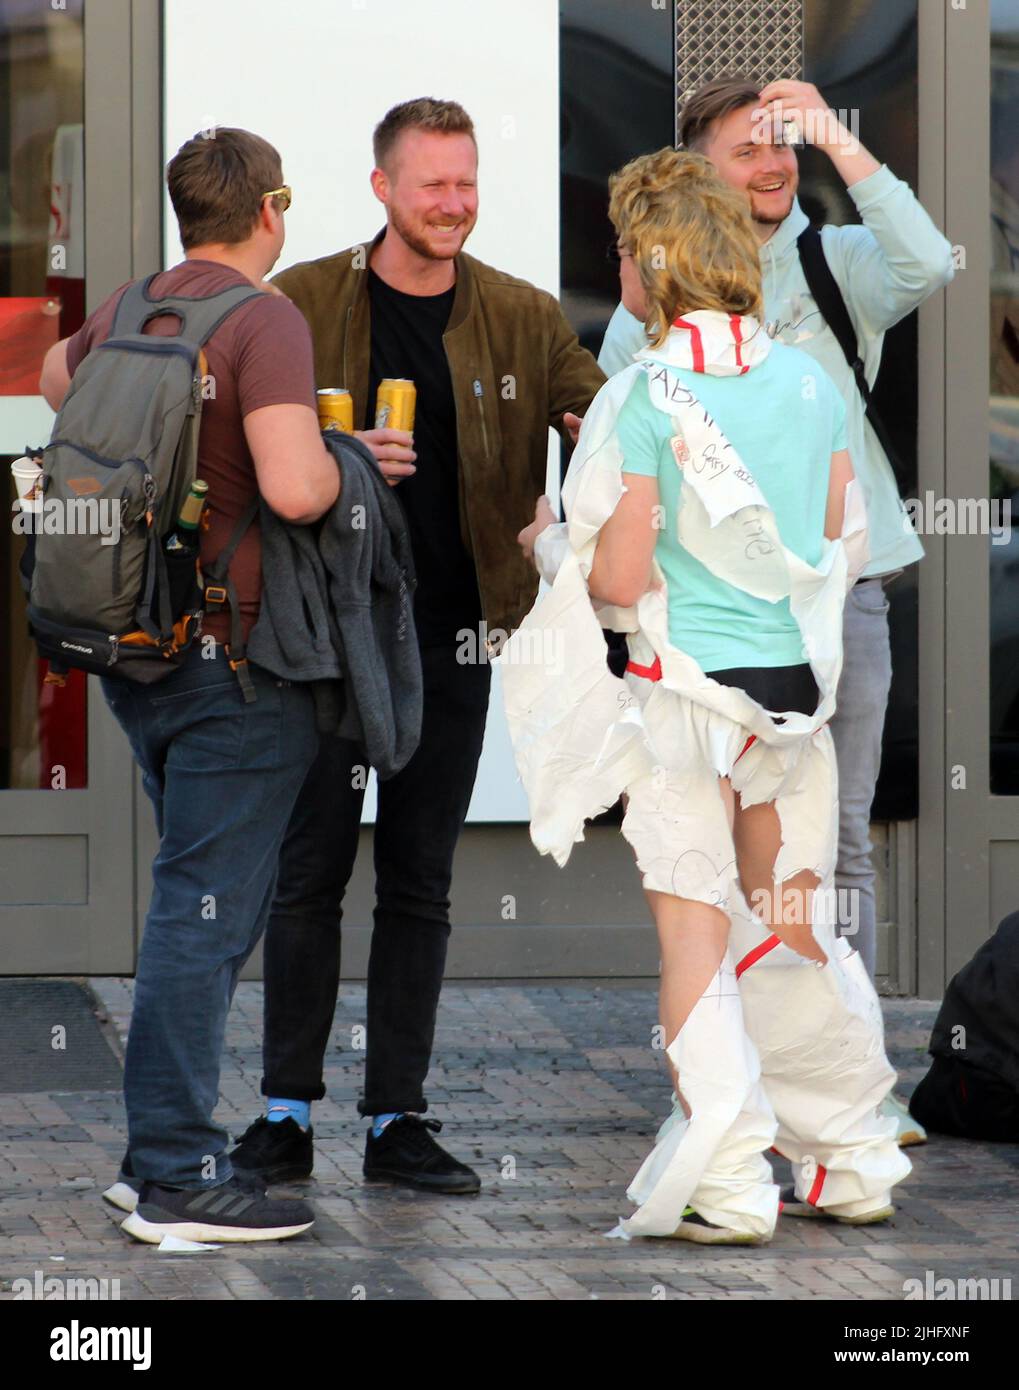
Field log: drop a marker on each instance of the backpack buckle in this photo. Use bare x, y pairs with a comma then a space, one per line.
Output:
215, 595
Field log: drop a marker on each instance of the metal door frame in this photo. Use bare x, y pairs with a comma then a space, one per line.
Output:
973, 819
123, 203
929, 977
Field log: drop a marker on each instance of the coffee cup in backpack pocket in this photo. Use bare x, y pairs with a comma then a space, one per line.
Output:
27, 476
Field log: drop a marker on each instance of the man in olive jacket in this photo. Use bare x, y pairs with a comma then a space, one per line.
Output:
495, 364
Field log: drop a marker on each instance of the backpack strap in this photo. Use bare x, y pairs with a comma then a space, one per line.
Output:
221, 593
155, 569
133, 309
830, 300
199, 315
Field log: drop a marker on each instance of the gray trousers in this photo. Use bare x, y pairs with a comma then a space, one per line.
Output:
856, 729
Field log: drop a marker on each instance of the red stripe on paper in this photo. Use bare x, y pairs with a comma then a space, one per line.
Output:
752, 957
815, 1191
650, 673
737, 333
696, 343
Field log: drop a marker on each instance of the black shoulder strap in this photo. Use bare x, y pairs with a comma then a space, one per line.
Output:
829, 299
825, 289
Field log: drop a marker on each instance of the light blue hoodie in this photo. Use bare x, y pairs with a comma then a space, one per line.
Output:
884, 269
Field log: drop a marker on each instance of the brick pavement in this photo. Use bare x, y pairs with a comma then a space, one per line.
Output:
548, 1091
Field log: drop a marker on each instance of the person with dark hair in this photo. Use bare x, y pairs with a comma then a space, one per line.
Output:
223, 773
883, 270
495, 364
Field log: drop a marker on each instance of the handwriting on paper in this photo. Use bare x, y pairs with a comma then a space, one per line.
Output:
755, 538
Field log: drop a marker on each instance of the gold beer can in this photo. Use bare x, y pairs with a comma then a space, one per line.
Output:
335, 409
394, 404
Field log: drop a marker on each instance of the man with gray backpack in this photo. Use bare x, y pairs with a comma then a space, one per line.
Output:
199, 375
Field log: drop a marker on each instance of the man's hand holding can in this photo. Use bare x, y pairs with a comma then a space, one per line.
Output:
393, 450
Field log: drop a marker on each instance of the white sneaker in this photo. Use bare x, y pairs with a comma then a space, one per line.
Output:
694, 1228
908, 1131
791, 1205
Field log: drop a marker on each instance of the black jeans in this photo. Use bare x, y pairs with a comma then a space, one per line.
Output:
420, 814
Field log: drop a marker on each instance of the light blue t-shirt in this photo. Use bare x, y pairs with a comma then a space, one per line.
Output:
785, 419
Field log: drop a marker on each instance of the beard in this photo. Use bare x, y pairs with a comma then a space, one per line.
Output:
418, 242
771, 218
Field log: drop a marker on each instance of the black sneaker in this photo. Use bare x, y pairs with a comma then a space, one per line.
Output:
275, 1151
405, 1153
237, 1209
124, 1192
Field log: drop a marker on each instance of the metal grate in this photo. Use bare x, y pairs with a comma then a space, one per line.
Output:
762, 39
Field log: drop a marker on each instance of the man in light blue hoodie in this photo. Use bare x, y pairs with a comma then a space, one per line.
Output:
884, 269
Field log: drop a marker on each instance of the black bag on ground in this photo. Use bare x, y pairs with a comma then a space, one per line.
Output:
972, 1088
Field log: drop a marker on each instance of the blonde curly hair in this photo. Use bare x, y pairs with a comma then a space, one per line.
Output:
690, 235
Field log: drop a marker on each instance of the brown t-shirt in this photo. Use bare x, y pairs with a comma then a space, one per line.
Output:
260, 356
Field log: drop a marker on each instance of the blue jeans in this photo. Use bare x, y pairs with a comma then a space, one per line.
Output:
223, 777
857, 726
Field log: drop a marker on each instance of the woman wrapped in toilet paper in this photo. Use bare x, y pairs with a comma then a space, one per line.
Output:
712, 515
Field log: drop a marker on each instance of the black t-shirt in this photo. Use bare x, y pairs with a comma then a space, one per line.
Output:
406, 341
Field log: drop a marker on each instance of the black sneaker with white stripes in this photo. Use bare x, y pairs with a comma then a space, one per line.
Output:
237, 1209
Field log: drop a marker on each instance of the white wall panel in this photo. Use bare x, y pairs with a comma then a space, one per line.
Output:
315, 78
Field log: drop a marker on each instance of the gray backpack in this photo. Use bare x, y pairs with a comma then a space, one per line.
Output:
105, 594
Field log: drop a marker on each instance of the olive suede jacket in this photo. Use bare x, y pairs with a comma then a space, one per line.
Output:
516, 367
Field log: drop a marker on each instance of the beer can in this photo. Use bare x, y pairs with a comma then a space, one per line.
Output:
335, 409
394, 404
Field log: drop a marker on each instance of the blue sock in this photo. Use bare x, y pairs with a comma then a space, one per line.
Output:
299, 1110
379, 1122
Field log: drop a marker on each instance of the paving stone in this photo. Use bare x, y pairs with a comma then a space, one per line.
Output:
553, 1092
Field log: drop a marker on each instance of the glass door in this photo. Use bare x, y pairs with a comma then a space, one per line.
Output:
68, 235
42, 299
